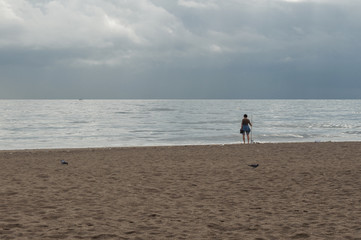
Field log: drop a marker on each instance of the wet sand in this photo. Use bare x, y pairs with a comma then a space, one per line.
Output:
299, 191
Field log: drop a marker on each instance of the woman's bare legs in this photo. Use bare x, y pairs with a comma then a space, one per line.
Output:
244, 138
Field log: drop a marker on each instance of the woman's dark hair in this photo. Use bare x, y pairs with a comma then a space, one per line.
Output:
245, 115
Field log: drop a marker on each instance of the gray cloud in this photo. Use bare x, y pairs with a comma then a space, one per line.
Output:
179, 49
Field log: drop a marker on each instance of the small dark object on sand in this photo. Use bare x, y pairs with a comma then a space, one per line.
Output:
254, 165
63, 162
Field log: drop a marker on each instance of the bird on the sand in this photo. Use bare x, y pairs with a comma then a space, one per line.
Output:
64, 162
254, 165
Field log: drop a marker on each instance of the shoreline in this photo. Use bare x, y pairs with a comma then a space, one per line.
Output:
298, 191
167, 146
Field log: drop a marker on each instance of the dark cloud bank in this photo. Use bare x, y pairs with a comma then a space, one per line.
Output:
180, 49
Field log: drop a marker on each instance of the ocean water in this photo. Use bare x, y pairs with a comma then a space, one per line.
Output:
40, 124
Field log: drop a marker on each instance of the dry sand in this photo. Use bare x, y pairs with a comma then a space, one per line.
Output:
299, 191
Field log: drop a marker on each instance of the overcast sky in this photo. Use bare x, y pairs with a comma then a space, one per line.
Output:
180, 49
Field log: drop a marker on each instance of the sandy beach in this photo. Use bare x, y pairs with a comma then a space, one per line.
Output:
298, 191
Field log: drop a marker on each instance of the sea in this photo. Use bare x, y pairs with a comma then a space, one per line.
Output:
48, 124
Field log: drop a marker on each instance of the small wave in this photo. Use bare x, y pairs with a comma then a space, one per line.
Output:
161, 109
335, 126
122, 112
211, 122
353, 132
153, 131
282, 136
77, 122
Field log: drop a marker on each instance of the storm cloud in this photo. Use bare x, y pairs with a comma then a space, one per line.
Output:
180, 49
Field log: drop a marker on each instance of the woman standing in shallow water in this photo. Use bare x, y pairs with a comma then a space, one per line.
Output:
245, 129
